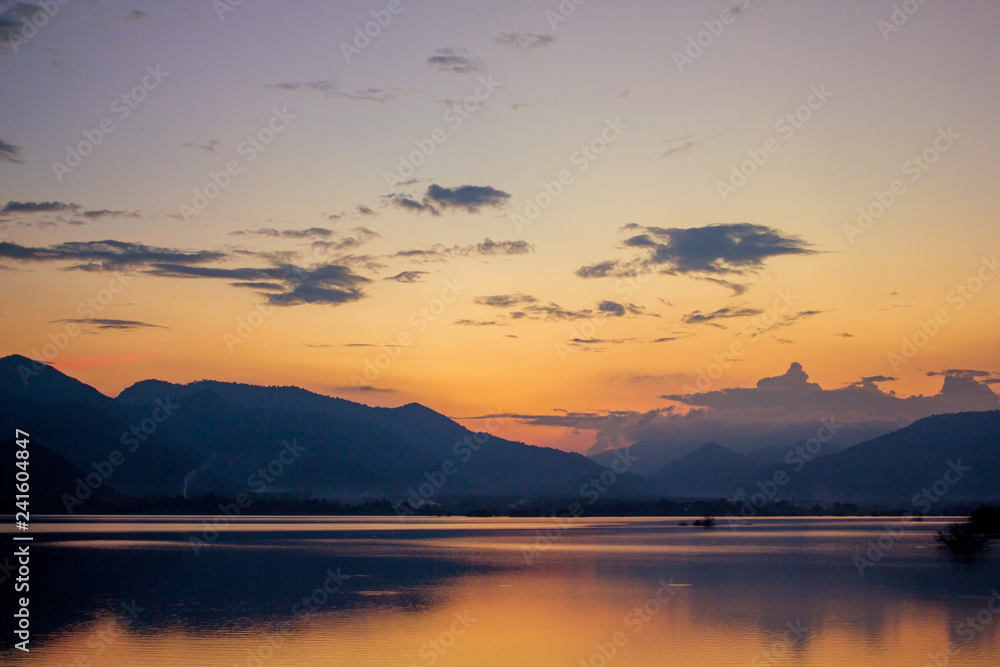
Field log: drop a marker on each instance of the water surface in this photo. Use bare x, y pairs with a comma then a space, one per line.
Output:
364, 591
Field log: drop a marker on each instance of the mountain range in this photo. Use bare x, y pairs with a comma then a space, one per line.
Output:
163, 439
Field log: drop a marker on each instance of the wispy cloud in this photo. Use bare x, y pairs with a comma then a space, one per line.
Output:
455, 60
524, 41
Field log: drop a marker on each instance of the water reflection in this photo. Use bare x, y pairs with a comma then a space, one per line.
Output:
505, 592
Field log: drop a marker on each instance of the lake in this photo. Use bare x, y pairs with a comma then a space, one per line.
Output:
365, 591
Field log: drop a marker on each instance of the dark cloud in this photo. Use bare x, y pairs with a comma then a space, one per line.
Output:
410, 204
107, 213
504, 300
408, 277
107, 255
454, 60
13, 16
550, 311
720, 249
40, 207
986, 377
698, 317
524, 41
135, 15
468, 197
844, 334
117, 325
9, 152
364, 210
329, 284
329, 89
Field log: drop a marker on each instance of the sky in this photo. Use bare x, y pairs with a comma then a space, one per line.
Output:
588, 218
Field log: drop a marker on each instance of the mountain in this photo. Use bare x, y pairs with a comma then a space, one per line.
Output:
21, 377
761, 443
711, 471
226, 438
956, 457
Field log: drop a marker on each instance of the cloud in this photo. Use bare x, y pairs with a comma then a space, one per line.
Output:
714, 250
8, 151
117, 325
326, 284
106, 213
410, 204
504, 300
468, 197
524, 41
312, 232
844, 334
210, 146
487, 248
330, 90
408, 277
107, 255
481, 323
986, 377
13, 17
281, 284
364, 210
779, 411
455, 60
698, 317
362, 389
39, 207
681, 145
135, 15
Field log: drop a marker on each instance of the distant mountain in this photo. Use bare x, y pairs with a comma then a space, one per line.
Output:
225, 438
759, 444
956, 457
711, 471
